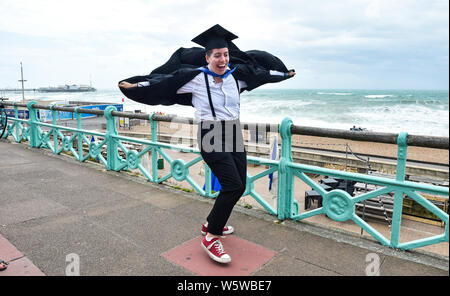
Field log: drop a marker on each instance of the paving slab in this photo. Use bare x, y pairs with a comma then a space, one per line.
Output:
8, 251
18, 264
247, 257
21, 267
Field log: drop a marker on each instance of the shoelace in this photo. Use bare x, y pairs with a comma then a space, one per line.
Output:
219, 247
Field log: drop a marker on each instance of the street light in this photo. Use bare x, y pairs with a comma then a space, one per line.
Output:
21, 73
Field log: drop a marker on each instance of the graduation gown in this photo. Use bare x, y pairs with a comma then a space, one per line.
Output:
251, 66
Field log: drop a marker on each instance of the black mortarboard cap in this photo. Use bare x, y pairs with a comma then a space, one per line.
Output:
215, 37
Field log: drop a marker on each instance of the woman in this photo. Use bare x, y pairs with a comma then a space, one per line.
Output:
214, 91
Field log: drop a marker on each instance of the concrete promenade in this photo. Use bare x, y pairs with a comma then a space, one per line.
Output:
56, 212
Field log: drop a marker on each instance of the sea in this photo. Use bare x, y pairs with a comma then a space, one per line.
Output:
417, 112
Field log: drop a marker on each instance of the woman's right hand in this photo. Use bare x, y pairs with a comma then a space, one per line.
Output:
125, 84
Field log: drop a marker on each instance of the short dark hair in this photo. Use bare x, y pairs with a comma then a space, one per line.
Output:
210, 51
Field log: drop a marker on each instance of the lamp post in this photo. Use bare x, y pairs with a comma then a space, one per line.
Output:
21, 73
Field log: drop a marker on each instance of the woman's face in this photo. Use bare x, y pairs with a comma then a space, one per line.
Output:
218, 61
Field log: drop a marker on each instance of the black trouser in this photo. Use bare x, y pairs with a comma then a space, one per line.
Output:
228, 162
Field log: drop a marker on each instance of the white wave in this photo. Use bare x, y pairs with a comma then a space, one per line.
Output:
418, 114
334, 93
378, 96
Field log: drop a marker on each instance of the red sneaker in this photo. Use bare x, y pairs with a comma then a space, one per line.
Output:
226, 230
215, 250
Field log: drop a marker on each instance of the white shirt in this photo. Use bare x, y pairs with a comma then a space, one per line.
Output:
224, 96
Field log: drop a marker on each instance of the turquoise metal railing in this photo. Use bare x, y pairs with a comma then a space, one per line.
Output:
340, 206
337, 204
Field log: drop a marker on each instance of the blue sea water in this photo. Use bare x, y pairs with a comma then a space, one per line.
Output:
418, 112
413, 111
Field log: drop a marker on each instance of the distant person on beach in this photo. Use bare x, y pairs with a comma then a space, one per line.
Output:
214, 91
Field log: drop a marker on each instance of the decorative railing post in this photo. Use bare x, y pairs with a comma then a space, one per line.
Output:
55, 133
154, 130
79, 135
113, 160
398, 195
33, 119
287, 206
16, 123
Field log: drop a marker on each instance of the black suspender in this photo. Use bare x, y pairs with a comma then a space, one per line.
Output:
209, 97
209, 94
239, 91
237, 86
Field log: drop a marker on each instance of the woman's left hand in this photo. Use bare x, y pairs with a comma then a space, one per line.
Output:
125, 84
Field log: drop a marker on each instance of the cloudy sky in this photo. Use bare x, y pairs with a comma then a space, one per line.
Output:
345, 44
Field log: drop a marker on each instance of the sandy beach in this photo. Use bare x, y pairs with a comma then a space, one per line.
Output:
372, 148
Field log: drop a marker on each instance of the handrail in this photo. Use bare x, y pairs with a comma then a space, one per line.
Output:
388, 138
378, 137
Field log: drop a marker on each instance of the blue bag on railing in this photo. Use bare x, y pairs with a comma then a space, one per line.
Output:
273, 156
215, 185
